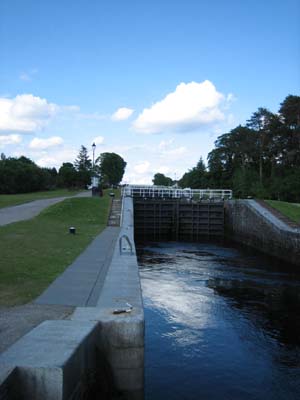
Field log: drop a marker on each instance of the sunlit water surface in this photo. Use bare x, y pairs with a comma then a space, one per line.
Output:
221, 323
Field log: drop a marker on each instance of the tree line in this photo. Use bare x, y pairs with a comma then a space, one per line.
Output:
22, 175
259, 159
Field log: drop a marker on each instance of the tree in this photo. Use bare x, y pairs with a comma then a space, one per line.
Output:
290, 138
83, 161
262, 121
162, 180
195, 178
83, 166
22, 175
111, 167
67, 175
290, 111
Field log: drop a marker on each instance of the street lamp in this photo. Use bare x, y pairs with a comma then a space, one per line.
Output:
93, 171
94, 148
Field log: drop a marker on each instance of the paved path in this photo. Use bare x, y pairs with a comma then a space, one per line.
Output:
29, 210
81, 283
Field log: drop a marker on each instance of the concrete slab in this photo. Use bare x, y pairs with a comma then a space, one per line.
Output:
81, 283
19, 320
51, 359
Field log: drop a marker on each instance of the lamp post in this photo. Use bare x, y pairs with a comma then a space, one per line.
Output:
93, 171
94, 148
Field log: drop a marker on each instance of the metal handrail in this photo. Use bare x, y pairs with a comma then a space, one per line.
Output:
128, 241
122, 207
173, 192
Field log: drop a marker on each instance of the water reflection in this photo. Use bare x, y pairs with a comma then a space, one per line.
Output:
181, 304
220, 322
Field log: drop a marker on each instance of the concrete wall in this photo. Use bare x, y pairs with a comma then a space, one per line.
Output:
249, 223
122, 335
49, 362
56, 360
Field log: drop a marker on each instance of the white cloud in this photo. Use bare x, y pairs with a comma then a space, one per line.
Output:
143, 172
25, 113
231, 98
47, 161
137, 178
164, 169
168, 151
10, 139
55, 157
189, 107
42, 144
164, 144
178, 151
142, 168
122, 114
98, 140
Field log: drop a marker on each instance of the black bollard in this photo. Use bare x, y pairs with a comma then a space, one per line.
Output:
72, 230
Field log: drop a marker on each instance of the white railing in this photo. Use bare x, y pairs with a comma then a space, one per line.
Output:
174, 192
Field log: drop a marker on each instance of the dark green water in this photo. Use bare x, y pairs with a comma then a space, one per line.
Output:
221, 323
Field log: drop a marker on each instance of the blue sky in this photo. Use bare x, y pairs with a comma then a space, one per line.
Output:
154, 81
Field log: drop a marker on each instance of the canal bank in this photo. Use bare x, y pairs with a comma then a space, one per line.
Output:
249, 223
99, 349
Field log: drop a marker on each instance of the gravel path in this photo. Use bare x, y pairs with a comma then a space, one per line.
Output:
29, 210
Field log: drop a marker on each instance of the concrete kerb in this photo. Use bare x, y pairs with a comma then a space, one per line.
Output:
49, 361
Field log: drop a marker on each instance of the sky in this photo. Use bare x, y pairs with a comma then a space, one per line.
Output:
153, 81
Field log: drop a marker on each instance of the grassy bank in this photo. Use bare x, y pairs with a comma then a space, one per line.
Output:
35, 252
290, 210
8, 200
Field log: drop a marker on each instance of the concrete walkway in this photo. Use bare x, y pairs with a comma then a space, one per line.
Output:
29, 210
81, 283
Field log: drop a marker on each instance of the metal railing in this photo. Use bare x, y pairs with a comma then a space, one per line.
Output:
123, 248
145, 191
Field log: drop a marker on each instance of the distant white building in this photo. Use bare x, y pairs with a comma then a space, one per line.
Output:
95, 181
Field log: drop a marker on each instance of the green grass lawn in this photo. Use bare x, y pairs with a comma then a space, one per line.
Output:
7, 200
292, 211
35, 252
